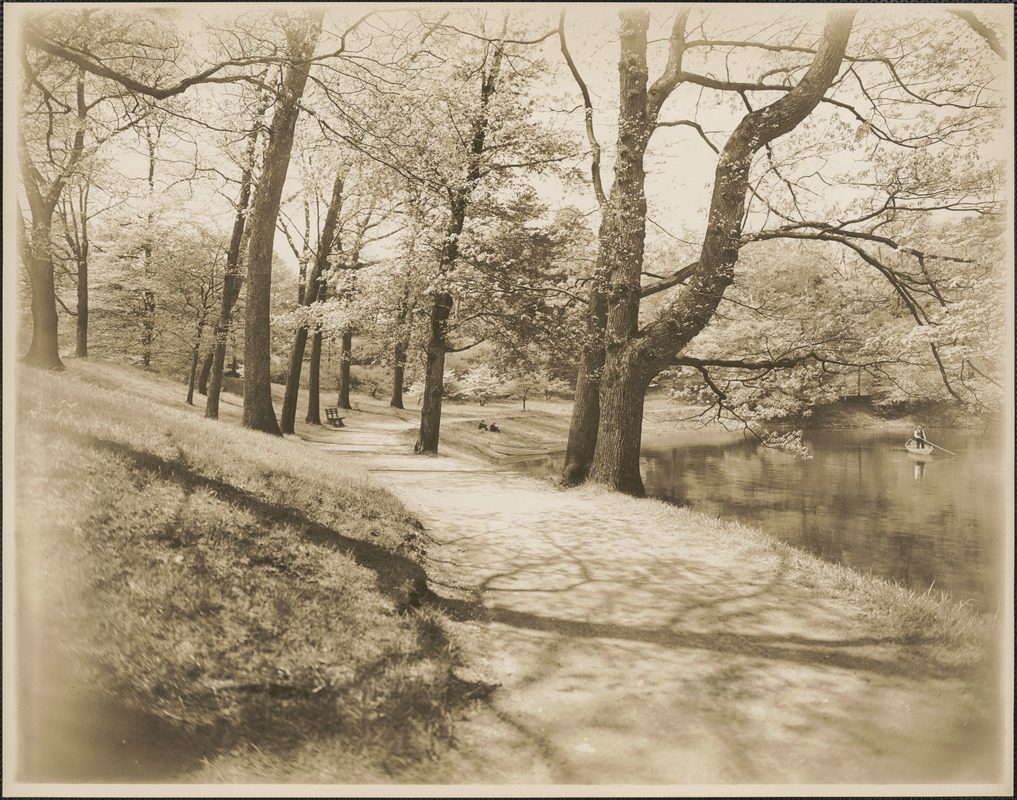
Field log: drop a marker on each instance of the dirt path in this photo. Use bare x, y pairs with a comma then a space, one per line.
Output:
628, 654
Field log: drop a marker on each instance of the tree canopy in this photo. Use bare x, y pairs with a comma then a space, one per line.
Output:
774, 207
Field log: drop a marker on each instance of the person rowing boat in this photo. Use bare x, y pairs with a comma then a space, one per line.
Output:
919, 436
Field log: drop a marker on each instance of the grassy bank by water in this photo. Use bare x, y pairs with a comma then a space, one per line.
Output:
200, 602
547, 422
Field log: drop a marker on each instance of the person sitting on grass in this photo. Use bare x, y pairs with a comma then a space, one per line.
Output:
482, 426
494, 428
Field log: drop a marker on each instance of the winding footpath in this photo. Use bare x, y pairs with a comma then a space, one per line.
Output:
628, 654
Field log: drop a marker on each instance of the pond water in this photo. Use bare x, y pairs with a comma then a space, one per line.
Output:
862, 500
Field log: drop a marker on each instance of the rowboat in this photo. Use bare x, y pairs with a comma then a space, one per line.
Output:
509, 450
917, 448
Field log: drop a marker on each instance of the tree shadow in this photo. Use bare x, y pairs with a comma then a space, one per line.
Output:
792, 649
398, 576
72, 730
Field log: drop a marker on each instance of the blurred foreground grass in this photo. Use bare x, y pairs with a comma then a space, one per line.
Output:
243, 595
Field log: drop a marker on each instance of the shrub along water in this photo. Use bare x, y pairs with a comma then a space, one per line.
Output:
258, 607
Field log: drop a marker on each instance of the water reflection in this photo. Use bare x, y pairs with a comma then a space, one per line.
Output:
863, 501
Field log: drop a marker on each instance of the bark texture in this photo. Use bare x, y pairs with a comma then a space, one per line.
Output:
314, 379
258, 411
233, 281
633, 357
586, 406
398, 373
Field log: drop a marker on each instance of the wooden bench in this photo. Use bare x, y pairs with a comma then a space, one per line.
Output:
333, 417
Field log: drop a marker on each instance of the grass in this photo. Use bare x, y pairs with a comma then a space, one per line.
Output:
260, 606
929, 626
532, 428
933, 625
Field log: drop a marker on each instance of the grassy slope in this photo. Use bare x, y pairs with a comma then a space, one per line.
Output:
218, 589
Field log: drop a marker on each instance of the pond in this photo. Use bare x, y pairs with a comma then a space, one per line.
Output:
862, 500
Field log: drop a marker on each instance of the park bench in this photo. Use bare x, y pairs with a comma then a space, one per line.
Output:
333, 417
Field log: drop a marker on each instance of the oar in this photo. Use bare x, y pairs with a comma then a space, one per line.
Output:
936, 445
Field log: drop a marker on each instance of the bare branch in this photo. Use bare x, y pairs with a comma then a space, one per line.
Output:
690, 124
671, 77
598, 186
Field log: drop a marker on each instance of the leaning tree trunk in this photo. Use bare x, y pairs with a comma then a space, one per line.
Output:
345, 360
206, 369
632, 358
232, 283
258, 411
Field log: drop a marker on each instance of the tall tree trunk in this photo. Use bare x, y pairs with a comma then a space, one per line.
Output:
43, 351
616, 458
309, 296
634, 358
210, 380
232, 283
215, 380
345, 359
195, 353
619, 264
258, 411
289, 411
314, 382
148, 298
398, 374
434, 376
82, 248
81, 326
36, 248
147, 324
586, 406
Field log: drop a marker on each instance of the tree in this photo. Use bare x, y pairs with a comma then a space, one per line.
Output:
233, 278
301, 38
459, 133
315, 280
481, 384
442, 300
210, 377
52, 133
636, 350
